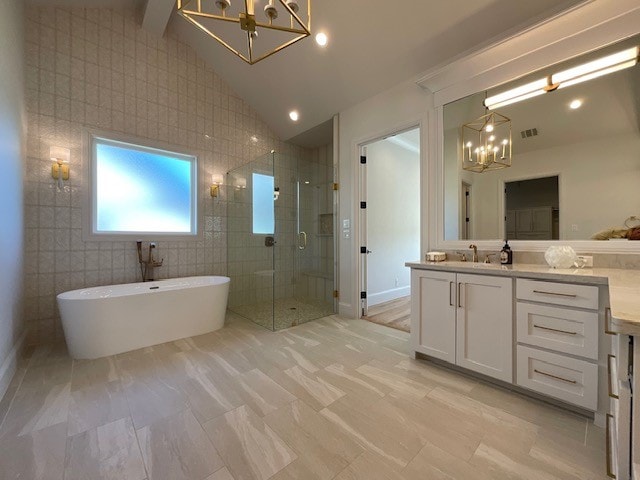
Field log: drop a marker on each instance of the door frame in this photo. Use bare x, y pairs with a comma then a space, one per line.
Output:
361, 192
466, 226
502, 203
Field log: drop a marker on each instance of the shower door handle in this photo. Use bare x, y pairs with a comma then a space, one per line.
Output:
302, 240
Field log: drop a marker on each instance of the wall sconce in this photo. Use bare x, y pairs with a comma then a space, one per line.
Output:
60, 168
216, 181
242, 183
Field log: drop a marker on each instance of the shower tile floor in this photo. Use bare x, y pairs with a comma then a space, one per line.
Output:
284, 312
330, 399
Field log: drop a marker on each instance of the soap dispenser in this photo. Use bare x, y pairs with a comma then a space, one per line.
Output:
506, 255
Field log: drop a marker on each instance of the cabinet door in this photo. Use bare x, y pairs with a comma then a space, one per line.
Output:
524, 221
541, 220
433, 314
510, 224
484, 340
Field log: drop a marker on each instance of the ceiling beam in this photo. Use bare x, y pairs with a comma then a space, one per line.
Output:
156, 16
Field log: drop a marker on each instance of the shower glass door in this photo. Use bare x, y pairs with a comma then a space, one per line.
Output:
280, 240
251, 240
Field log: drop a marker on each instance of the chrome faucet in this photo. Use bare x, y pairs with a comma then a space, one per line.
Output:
147, 266
475, 253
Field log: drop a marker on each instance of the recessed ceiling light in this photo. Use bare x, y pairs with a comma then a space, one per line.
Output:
321, 39
306, 182
575, 104
293, 115
254, 139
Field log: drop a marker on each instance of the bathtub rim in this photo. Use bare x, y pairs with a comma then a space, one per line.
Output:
90, 293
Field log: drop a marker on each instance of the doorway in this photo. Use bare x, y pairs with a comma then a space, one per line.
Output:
465, 202
390, 226
532, 209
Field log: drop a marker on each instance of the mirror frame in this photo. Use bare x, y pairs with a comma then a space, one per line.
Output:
585, 28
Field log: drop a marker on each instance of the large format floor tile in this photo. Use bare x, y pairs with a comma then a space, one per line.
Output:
177, 448
107, 452
250, 448
330, 399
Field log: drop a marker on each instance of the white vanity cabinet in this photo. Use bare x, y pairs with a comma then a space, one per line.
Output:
621, 403
465, 319
557, 335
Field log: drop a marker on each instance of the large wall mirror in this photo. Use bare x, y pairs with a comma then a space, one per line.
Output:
575, 157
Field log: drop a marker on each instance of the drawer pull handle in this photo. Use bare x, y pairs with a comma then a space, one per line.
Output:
607, 322
610, 384
554, 329
555, 377
568, 295
610, 473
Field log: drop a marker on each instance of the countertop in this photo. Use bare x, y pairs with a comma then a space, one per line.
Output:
624, 285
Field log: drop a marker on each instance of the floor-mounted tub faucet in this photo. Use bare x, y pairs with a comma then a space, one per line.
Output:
147, 266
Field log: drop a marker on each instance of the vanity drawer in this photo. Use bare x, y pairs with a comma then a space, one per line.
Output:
560, 329
565, 378
620, 356
567, 294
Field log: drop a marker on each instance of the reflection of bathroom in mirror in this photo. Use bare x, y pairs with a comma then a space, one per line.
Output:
532, 209
567, 144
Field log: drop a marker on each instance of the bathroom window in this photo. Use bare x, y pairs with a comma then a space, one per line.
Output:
263, 204
140, 190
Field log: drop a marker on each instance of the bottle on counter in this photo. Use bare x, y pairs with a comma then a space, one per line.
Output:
506, 254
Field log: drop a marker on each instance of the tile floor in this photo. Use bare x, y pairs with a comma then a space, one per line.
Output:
284, 312
330, 399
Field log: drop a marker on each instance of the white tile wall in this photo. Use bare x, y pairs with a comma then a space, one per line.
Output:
97, 69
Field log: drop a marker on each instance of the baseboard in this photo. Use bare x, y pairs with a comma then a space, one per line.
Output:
388, 295
10, 365
346, 310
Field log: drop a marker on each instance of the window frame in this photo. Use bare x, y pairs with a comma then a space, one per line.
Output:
144, 145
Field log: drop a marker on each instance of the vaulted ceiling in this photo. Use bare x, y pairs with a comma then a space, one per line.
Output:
373, 45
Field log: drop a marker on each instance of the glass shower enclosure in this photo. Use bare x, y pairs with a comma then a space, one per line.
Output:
280, 240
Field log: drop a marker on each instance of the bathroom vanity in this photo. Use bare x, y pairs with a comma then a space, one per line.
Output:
565, 336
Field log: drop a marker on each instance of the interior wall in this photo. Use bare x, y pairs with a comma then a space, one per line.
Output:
393, 219
396, 109
96, 69
607, 166
12, 119
538, 192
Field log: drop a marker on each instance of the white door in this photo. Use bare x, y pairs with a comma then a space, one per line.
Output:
433, 313
484, 340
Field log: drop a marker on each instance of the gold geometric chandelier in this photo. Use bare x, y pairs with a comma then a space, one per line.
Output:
486, 143
217, 18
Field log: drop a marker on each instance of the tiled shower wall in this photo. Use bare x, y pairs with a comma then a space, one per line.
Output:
96, 69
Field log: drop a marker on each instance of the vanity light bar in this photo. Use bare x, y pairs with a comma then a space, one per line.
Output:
572, 76
516, 94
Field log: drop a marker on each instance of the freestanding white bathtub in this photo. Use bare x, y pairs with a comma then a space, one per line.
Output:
102, 321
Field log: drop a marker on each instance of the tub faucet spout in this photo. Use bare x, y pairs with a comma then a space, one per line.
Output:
147, 266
